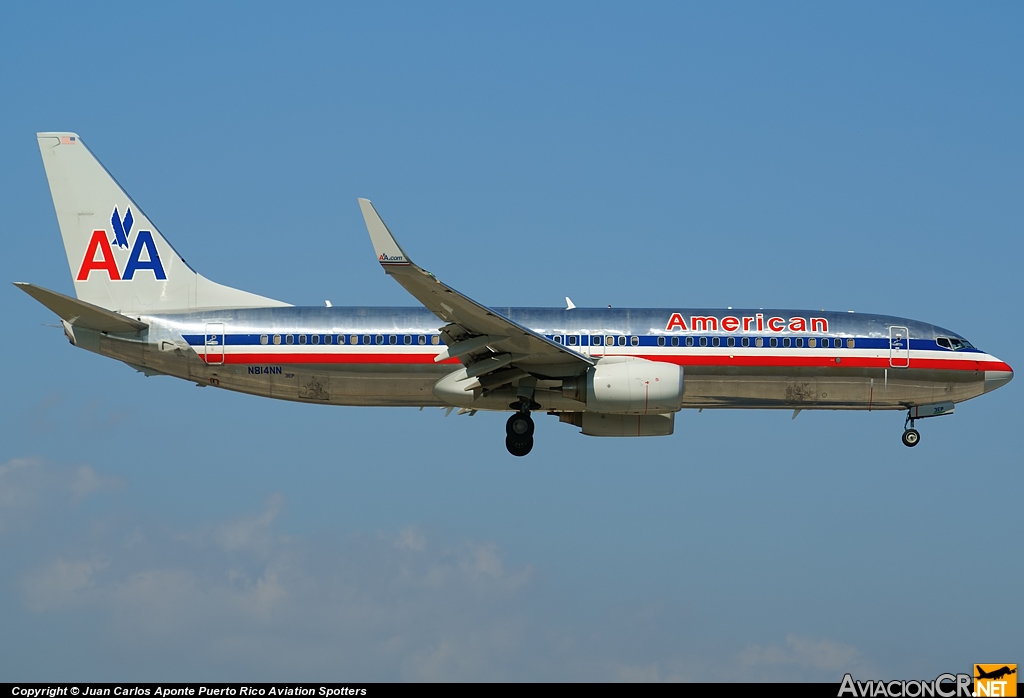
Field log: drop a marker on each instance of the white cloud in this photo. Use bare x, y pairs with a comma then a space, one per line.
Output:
241, 599
800, 655
251, 533
62, 583
393, 605
27, 484
86, 481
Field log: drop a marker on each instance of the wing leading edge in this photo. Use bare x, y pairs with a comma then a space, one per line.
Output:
483, 340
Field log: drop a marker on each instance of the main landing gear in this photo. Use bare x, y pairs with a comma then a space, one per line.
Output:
519, 432
911, 436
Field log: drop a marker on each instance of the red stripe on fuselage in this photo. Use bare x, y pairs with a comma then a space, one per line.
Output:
833, 361
268, 358
746, 361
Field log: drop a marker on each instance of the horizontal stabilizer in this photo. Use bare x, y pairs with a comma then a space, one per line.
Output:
81, 314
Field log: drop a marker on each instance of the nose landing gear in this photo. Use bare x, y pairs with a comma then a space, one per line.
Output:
911, 436
519, 433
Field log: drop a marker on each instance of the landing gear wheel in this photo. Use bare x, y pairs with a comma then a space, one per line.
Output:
911, 437
518, 445
519, 426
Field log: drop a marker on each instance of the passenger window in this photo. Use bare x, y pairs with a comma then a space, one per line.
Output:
264, 339
289, 339
731, 341
354, 339
302, 339
328, 339
774, 342
557, 339
421, 339
785, 342
407, 339
434, 339
715, 341
597, 340
759, 342
341, 339
812, 342
675, 341
703, 341
689, 341
622, 340
366, 339
634, 340
392, 339
316, 339
798, 342
573, 340
277, 339
849, 344
380, 339
745, 341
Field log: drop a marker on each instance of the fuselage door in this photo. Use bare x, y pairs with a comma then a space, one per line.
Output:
214, 348
899, 347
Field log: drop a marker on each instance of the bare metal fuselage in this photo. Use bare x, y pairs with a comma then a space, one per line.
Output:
385, 357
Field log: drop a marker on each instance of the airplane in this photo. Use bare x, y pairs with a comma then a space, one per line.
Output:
996, 674
609, 372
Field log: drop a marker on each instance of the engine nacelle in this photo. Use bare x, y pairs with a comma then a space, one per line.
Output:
627, 385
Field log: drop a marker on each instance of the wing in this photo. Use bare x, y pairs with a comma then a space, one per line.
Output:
485, 341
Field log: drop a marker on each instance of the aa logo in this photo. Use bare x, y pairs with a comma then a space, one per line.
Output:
995, 680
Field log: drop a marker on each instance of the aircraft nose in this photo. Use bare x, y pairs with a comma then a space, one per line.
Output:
997, 379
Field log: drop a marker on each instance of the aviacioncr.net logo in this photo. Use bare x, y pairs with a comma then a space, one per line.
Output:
944, 686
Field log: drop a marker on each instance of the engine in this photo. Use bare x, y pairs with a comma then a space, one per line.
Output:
626, 385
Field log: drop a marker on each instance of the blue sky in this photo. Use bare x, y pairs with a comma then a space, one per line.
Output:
858, 156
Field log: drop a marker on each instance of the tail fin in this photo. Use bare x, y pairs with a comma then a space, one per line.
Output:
118, 259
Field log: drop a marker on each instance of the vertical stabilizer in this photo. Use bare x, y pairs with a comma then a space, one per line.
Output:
118, 259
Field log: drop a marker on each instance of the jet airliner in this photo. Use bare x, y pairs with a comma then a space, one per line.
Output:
609, 372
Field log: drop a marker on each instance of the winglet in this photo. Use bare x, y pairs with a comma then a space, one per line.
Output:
384, 244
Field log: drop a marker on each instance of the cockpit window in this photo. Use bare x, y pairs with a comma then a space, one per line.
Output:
953, 343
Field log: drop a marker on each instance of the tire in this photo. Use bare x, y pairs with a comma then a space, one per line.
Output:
518, 447
911, 438
519, 426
